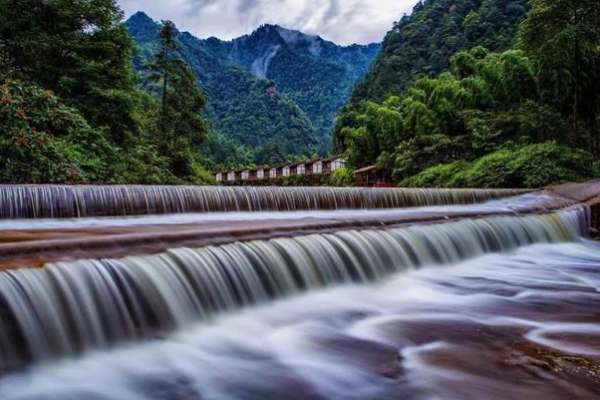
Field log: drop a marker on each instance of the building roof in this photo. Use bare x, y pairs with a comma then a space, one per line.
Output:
330, 158
365, 170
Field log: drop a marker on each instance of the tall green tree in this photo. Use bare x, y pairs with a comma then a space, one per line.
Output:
181, 127
164, 64
563, 38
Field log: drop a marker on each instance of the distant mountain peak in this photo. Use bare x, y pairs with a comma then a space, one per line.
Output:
140, 17
295, 38
142, 27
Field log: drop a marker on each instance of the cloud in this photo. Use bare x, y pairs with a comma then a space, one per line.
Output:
341, 21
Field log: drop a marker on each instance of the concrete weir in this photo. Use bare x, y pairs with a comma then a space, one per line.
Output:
24, 244
585, 194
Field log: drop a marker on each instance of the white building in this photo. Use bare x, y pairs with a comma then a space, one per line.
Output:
337, 163
317, 167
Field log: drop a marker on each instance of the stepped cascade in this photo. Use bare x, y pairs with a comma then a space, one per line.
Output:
66, 308
172, 293
90, 201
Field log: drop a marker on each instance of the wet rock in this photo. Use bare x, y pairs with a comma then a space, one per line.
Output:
167, 387
582, 371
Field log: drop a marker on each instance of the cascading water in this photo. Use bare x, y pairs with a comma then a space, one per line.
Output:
89, 201
67, 308
486, 305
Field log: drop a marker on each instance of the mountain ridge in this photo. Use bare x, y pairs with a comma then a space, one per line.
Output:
315, 75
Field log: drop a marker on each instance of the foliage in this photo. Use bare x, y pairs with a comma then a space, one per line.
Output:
222, 152
438, 176
563, 39
181, 127
467, 116
272, 95
421, 45
42, 140
71, 111
466, 112
341, 177
77, 49
531, 166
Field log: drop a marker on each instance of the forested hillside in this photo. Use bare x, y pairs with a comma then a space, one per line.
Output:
478, 93
273, 95
318, 75
70, 109
421, 44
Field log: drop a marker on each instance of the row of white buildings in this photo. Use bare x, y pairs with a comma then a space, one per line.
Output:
319, 166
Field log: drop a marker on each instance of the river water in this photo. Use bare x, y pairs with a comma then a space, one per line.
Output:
520, 325
497, 307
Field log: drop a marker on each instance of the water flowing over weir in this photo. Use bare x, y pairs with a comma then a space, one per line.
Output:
67, 308
39, 201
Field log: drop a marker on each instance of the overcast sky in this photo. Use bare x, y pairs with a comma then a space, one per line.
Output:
341, 21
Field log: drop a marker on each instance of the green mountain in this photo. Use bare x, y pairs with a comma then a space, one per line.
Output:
273, 94
482, 93
422, 43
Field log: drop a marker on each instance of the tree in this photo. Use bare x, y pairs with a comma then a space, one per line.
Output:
562, 37
80, 51
163, 63
181, 127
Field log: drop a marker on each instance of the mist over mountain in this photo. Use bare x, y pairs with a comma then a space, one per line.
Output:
274, 93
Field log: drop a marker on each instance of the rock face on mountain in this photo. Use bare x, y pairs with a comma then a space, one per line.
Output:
274, 92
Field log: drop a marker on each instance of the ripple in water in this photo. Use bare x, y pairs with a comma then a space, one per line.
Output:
520, 325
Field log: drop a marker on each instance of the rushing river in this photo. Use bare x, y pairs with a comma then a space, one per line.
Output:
484, 308
520, 325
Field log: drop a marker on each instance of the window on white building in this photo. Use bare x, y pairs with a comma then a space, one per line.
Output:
337, 164
317, 167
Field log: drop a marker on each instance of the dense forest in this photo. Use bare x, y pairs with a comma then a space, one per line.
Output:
482, 93
273, 94
70, 109
86, 98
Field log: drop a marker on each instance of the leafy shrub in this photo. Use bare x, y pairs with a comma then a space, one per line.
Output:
531, 166
42, 140
341, 177
439, 176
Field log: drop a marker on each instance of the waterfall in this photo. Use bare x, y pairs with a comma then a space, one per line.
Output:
67, 308
40, 201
